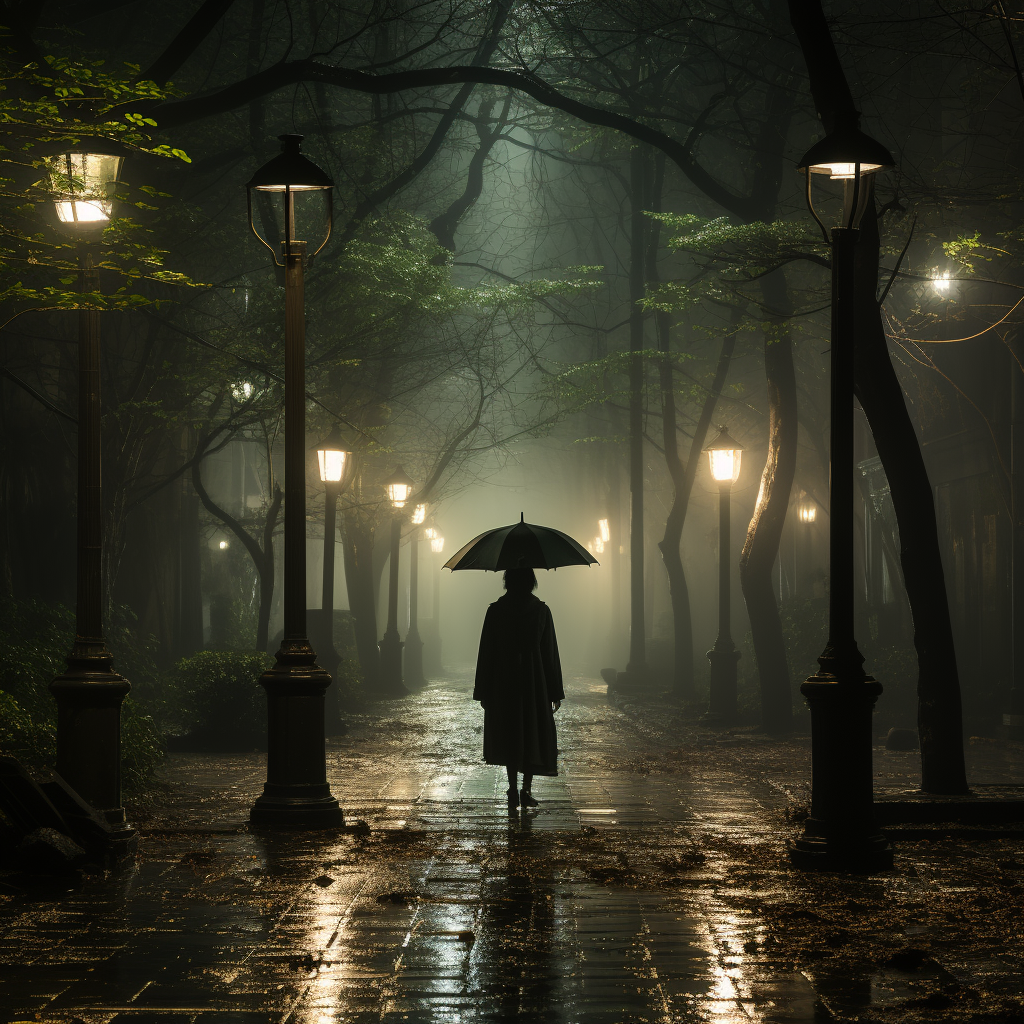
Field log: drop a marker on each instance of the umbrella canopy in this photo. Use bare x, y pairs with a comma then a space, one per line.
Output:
520, 546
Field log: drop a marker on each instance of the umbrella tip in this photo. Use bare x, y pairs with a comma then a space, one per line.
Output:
520, 517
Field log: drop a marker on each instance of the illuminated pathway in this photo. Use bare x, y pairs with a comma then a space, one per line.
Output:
649, 886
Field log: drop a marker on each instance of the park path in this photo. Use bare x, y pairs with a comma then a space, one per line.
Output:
650, 885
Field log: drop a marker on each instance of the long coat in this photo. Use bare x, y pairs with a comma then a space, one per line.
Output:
518, 675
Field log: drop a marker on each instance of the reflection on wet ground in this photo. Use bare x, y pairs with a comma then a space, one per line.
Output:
649, 886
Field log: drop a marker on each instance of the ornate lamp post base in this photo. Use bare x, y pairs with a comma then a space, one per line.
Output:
296, 794
89, 698
841, 834
722, 685
391, 683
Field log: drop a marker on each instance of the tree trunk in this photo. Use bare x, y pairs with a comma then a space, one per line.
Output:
939, 712
765, 531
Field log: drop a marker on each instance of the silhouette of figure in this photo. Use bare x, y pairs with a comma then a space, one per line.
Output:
519, 685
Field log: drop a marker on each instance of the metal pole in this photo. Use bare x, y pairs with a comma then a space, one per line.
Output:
723, 656
328, 653
391, 643
1013, 717
413, 643
841, 833
437, 661
89, 694
296, 794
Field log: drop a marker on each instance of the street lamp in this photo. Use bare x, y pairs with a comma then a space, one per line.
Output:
413, 644
807, 514
335, 463
398, 486
842, 832
434, 535
293, 196
89, 694
724, 456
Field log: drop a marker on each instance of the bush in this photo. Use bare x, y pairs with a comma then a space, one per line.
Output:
37, 637
221, 704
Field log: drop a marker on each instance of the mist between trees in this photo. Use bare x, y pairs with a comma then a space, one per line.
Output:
568, 239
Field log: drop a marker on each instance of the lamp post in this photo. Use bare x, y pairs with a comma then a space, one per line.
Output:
399, 486
413, 644
89, 694
806, 514
724, 455
841, 832
436, 538
335, 463
294, 199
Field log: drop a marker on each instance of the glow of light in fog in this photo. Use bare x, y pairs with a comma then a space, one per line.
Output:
223, 545
808, 513
437, 545
419, 514
942, 282
598, 546
725, 464
332, 464
606, 533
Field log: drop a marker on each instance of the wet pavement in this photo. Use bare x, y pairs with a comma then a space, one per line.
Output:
650, 885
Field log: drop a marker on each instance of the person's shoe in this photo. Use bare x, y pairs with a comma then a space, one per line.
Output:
526, 798
513, 799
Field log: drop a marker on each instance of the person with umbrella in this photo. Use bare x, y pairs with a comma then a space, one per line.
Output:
518, 673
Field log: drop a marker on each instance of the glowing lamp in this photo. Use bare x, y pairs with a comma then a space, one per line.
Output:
437, 544
846, 154
223, 545
431, 532
603, 530
419, 514
725, 454
807, 513
334, 459
598, 546
83, 187
941, 283
399, 486
294, 196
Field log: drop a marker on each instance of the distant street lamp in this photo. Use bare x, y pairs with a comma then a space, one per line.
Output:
413, 644
89, 694
724, 455
808, 513
433, 534
842, 832
335, 464
293, 200
399, 487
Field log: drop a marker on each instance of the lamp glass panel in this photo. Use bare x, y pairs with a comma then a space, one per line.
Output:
725, 464
419, 514
437, 545
844, 172
309, 220
83, 185
398, 494
605, 532
430, 533
808, 513
332, 464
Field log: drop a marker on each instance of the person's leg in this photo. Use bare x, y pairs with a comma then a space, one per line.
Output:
513, 792
526, 797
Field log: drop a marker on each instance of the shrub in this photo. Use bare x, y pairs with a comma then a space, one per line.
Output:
222, 706
37, 637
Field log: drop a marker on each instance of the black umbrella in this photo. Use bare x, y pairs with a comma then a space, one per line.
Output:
520, 546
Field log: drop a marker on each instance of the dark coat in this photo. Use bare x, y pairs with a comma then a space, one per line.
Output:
518, 675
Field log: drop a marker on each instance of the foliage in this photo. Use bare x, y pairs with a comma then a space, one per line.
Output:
36, 638
217, 700
47, 107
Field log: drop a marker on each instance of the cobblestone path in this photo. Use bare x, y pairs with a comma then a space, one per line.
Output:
636, 892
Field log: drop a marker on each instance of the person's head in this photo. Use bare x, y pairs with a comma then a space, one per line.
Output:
520, 581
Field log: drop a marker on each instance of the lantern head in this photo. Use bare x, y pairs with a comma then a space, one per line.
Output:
419, 514
437, 544
294, 196
83, 184
849, 155
724, 455
399, 486
807, 513
334, 458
